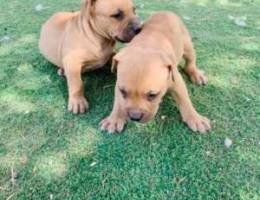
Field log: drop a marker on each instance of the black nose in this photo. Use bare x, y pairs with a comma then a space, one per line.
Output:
135, 26
137, 30
135, 116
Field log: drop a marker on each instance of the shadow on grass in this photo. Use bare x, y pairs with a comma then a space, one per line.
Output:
57, 153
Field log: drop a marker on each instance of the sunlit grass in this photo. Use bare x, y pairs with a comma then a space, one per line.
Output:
51, 166
216, 2
14, 102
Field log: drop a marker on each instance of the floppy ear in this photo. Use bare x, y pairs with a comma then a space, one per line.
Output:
114, 64
116, 59
170, 63
87, 6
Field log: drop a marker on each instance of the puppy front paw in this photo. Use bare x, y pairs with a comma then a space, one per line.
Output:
198, 77
198, 123
78, 105
112, 124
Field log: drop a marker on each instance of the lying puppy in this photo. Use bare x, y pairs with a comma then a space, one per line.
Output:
147, 69
83, 41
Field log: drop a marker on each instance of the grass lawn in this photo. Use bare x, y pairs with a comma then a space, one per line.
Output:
48, 153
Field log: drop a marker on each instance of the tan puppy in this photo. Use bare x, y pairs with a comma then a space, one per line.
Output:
147, 69
83, 41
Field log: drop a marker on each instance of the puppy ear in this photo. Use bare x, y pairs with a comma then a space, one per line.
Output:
116, 59
87, 6
170, 63
115, 62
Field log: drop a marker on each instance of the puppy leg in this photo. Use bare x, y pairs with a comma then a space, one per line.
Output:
116, 121
77, 101
190, 116
196, 75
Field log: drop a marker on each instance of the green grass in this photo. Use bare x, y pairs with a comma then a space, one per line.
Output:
57, 155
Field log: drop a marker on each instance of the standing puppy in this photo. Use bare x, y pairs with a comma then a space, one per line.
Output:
147, 69
83, 41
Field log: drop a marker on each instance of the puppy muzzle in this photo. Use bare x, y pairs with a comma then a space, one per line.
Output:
135, 115
133, 28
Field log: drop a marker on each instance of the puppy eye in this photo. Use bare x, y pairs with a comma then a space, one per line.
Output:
151, 96
119, 15
124, 93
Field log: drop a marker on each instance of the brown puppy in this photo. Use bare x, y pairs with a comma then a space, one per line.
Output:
83, 41
147, 69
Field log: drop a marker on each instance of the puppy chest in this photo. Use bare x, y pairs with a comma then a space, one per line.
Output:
96, 62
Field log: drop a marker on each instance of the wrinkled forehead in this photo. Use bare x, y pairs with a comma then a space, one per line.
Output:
111, 6
142, 77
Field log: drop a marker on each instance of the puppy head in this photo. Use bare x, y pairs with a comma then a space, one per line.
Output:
115, 19
143, 79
